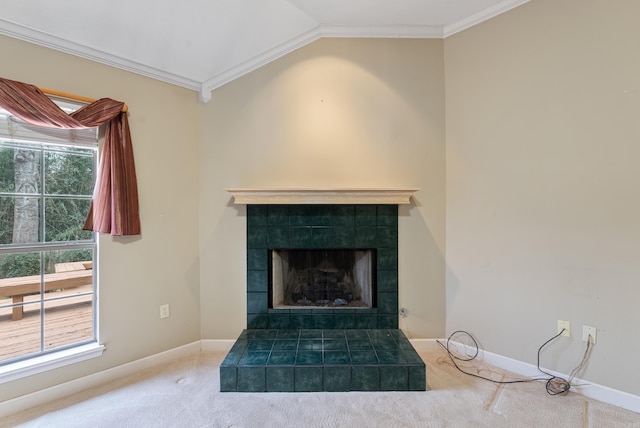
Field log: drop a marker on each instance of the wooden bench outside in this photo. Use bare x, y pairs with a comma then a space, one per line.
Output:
19, 287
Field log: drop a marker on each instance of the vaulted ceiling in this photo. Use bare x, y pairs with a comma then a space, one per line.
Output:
203, 44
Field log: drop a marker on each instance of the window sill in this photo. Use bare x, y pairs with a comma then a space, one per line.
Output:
51, 361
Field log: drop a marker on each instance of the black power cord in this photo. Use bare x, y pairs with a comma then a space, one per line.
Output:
555, 385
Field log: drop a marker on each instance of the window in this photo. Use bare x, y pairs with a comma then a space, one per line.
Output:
47, 276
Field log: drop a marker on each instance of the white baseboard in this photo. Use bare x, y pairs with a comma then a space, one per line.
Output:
62, 390
218, 345
586, 388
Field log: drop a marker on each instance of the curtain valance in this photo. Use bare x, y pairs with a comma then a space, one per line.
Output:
114, 207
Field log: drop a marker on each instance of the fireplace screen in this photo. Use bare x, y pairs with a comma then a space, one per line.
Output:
323, 278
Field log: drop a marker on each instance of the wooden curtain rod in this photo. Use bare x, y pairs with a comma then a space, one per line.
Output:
74, 97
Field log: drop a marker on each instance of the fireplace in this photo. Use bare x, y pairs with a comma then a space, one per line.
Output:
322, 295
327, 278
306, 231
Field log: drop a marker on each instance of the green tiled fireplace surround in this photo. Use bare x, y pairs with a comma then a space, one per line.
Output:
317, 227
322, 349
322, 360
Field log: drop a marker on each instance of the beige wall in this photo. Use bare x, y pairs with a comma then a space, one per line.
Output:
336, 113
543, 195
136, 275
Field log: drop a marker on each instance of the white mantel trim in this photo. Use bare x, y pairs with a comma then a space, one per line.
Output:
322, 196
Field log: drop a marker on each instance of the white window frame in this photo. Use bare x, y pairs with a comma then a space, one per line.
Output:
17, 131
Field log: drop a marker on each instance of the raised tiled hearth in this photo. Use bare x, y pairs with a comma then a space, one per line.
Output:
305, 349
322, 360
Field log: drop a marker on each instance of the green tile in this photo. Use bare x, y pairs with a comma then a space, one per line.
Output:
308, 379
387, 303
228, 379
411, 356
311, 334
288, 334
387, 260
265, 334
323, 321
417, 378
260, 345
333, 334
388, 281
258, 321
278, 237
364, 321
387, 215
254, 358
300, 215
365, 236
251, 379
309, 358
363, 357
299, 321
391, 357
232, 357
387, 321
285, 345
257, 281
344, 320
365, 378
257, 215
322, 237
280, 379
257, 237
322, 215
278, 215
344, 237
300, 237
282, 358
257, 259
365, 215
334, 345
336, 379
394, 378
310, 345
360, 345
387, 237
343, 215
336, 358
278, 320
357, 334
257, 303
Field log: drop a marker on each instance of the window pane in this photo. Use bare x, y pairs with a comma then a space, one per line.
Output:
19, 220
68, 320
7, 170
69, 298
68, 171
19, 337
64, 219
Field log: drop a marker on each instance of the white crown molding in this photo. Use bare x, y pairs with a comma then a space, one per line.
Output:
37, 37
383, 31
258, 61
483, 15
204, 88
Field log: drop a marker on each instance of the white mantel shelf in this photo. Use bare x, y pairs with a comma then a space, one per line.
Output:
321, 196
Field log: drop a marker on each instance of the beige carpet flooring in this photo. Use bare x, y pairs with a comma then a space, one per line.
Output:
185, 393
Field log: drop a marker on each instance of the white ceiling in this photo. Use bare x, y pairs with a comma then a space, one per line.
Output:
203, 44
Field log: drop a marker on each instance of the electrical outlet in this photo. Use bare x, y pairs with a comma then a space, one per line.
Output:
589, 332
164, 311
566, 325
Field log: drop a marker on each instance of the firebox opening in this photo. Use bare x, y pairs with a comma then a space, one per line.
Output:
327, 278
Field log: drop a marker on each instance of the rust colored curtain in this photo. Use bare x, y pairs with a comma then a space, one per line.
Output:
114, 207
